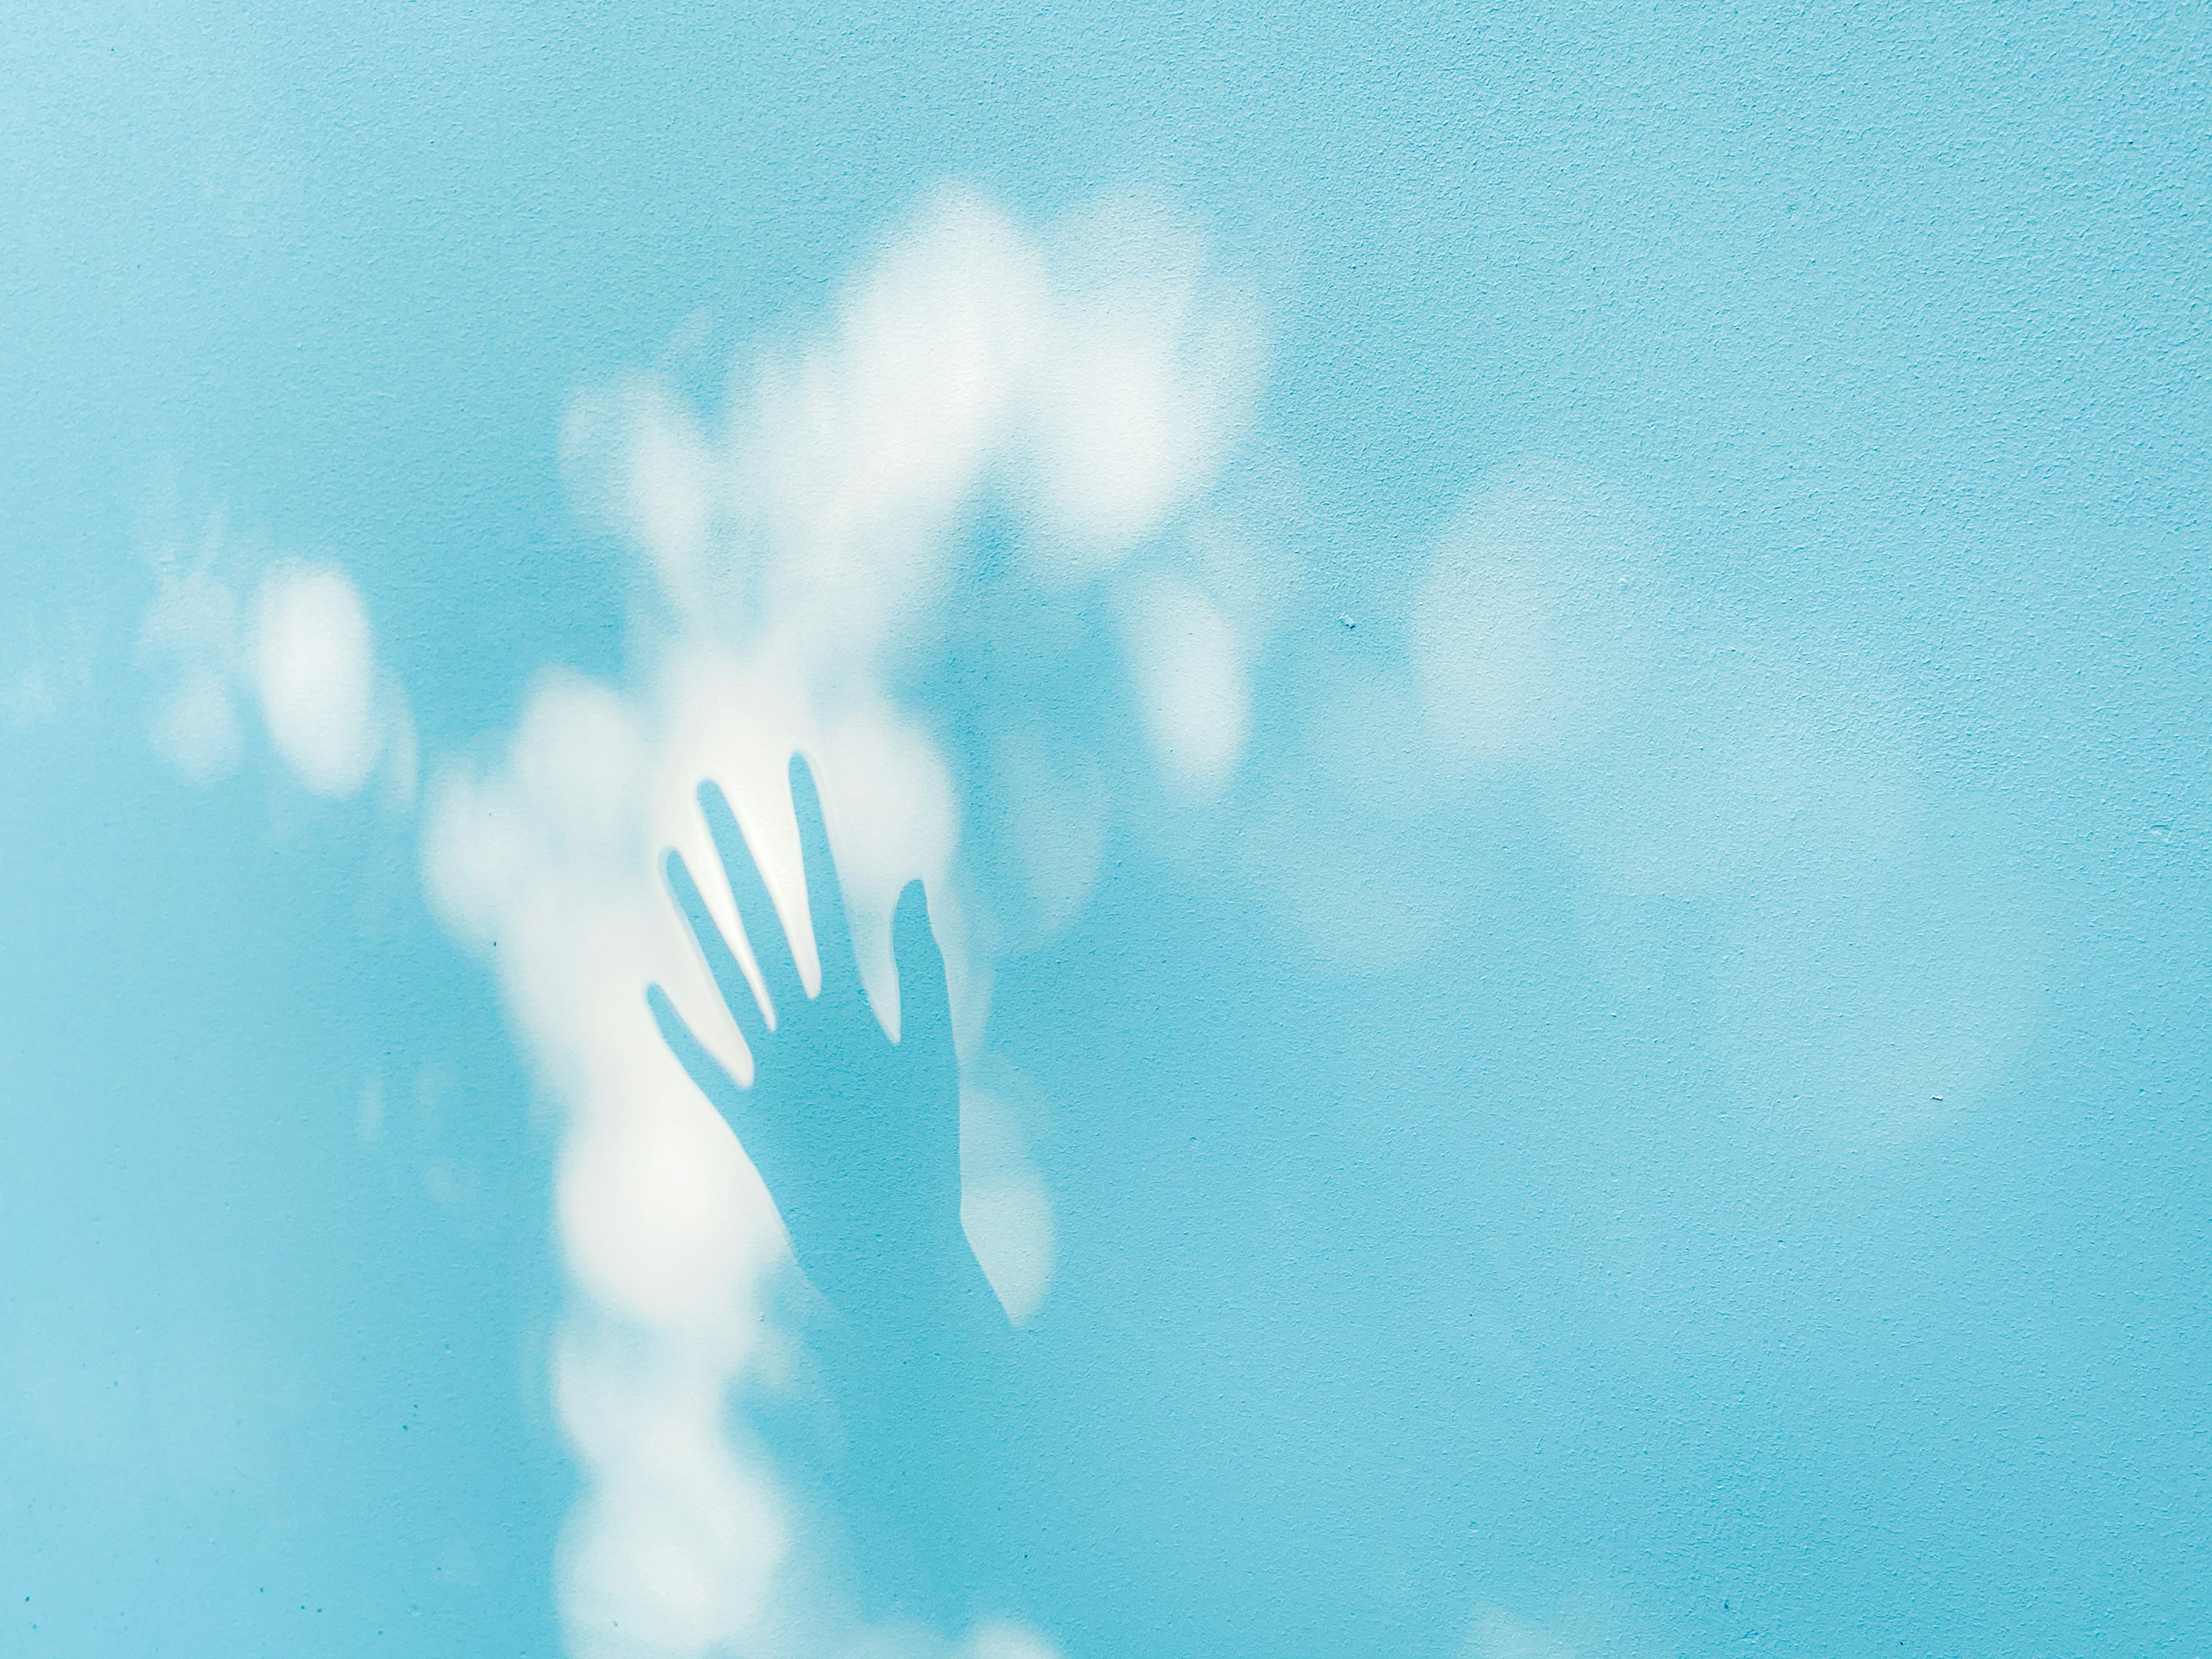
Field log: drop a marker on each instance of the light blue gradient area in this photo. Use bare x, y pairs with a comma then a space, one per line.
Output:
1535, 1281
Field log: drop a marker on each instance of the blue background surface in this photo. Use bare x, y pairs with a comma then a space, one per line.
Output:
1495, 1272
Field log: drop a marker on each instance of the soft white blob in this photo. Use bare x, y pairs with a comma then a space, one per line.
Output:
188, 638
1009, 1226
1005, 1207
1530, 645
544, 859
315, 670
1148, 370
196, 729
47, 657
1485, 651
1189, 680
1525, 631
308, 659
1870, 977
676, 1541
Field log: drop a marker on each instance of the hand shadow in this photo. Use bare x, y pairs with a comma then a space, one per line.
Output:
858, 1139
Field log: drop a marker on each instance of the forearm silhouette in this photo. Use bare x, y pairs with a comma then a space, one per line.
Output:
858, 1138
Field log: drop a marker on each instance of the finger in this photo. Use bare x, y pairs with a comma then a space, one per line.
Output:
717, 1084
756, 909
825, 897
924, 1005
721, 962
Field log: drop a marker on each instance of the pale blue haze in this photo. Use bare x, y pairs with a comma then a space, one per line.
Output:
1748, 1192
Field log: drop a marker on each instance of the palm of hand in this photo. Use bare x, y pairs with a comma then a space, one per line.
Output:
857, 1136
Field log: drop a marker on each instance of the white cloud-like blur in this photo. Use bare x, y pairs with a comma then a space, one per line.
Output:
1005, 1207
314, 670
1189, 680
800, 547
305, 655
189, 641
1141, 377
1867, 978
1527, 628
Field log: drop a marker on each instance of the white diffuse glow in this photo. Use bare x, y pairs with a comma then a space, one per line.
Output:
306, 655
1860, 968
799, 551
1006, 1208
315, 669
1190, 682
197, 729
1529, 630
1148, 368
545, 860
188, 638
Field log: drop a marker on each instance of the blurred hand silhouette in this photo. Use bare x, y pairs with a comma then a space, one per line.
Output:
857, 1137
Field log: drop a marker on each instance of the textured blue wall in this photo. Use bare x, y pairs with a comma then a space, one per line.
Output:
1646, 1095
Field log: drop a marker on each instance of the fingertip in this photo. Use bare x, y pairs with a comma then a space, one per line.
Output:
721, 818
912, 905
924, 1014
914, 940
